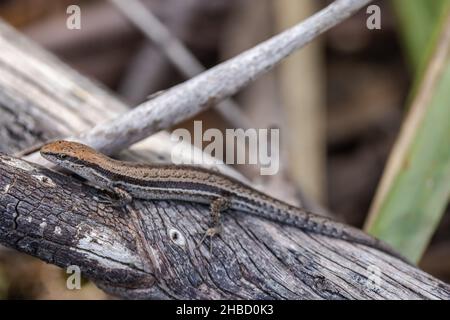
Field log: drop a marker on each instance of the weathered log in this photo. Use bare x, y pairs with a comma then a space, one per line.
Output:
150, 250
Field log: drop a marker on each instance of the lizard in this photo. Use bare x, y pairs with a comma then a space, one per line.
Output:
129, 180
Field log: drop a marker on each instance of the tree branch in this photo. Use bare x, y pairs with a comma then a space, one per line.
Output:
178, 54
197, 94
134, 253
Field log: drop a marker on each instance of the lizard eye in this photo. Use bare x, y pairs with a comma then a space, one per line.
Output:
62, 156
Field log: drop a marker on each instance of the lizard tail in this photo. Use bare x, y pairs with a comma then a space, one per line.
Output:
311, 222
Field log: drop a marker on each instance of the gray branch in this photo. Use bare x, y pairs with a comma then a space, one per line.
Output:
150, 250
201, 92
178, 54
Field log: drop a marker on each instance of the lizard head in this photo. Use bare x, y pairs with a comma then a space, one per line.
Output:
67, 153
78, 158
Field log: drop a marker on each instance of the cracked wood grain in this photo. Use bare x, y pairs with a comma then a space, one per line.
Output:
133, 253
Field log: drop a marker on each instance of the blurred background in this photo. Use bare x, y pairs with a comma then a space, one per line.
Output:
339, 103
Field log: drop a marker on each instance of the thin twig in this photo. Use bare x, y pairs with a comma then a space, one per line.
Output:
197, 94
142, 17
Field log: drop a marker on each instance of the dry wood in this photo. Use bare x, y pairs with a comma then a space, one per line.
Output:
150, 250
302, 96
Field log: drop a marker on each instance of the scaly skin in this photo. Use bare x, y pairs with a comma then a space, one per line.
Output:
193, 183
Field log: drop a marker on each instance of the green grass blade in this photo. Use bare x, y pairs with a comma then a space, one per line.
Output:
417, 20
415, 188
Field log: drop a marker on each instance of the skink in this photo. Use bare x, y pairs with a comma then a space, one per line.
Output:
193, 183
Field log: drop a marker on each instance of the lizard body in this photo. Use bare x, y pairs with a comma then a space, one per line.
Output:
193, 183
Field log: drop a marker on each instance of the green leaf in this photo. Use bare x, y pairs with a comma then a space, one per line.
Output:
415, 187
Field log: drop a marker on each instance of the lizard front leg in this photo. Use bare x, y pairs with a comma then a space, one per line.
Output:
217, 206
122, 197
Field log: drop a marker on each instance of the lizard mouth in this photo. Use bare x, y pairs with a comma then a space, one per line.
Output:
59, 158
52, 155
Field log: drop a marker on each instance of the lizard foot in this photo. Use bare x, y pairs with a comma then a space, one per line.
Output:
210, 232
123, 196
217, 206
